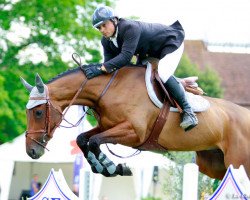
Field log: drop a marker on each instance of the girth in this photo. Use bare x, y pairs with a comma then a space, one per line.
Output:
151, 143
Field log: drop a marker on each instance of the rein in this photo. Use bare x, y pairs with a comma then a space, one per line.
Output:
70, 104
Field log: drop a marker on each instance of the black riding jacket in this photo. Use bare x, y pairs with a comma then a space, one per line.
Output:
141, 39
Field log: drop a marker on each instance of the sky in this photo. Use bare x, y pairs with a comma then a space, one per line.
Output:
224, 21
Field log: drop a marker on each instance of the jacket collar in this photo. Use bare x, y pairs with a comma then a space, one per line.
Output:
114, 38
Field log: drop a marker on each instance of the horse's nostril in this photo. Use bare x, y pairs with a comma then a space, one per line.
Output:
33, 153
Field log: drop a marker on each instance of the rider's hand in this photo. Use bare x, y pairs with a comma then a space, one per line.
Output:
92, 71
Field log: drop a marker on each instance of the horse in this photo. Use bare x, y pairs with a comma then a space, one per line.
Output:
126, 116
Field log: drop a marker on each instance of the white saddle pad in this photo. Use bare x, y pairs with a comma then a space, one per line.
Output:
197, 102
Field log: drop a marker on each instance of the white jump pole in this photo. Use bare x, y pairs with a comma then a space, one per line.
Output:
84, 185
190, 182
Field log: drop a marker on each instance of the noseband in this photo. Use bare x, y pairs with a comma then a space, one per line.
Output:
46, 131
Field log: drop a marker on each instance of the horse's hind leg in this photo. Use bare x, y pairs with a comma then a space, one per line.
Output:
238, 154
122, 133
211, 163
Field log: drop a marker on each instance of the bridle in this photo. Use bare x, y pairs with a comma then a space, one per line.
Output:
46, 131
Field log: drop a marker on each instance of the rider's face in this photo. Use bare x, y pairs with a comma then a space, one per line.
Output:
107, 29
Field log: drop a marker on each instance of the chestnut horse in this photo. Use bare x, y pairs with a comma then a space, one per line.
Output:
126, 116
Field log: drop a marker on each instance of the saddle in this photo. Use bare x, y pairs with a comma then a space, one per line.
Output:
188, 83
162, 94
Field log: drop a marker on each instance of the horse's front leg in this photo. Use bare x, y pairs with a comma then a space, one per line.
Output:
82, 142
122, 133
83, 139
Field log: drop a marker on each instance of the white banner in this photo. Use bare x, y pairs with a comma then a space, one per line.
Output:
55, 188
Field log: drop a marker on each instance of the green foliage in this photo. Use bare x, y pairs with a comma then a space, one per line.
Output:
173, 182
211, 83
6, 113
91, 118
181, 158
53, 27
209, 79
172, 186
205, 185
151, 198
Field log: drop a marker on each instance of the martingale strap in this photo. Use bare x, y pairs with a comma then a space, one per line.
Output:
152, 141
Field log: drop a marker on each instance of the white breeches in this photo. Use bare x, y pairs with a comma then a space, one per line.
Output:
168, 64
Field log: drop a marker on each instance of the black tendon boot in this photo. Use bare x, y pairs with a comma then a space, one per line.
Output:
176, 90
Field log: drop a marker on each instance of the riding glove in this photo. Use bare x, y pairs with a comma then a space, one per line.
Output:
92, 71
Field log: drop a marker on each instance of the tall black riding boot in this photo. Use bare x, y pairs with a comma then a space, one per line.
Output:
176, 90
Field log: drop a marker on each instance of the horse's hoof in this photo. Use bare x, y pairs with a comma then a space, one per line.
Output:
125, 170
107, 174
94, 170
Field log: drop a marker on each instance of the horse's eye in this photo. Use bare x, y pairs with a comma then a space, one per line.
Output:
39, 113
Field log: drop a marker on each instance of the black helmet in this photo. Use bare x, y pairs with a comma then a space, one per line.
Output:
102, 14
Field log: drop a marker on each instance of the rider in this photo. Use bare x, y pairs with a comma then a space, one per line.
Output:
122, 39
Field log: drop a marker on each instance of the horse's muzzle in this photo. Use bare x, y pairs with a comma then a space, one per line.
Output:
35, 153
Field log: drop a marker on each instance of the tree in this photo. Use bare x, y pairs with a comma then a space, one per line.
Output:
34, 37
209, 79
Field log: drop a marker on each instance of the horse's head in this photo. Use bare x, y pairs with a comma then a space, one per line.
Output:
42, 118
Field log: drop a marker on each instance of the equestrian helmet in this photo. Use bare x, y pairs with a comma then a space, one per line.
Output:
102, 14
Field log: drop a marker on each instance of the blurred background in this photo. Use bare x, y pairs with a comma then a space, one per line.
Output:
39, 36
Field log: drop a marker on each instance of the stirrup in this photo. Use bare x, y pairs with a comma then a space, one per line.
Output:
190, 127
194, 121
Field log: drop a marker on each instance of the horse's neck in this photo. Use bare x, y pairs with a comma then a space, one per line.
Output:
63, 90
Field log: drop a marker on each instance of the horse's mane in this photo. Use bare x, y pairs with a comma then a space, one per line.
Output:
73, 70
69, 71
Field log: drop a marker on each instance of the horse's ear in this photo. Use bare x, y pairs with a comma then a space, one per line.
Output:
26, 84
39, 84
